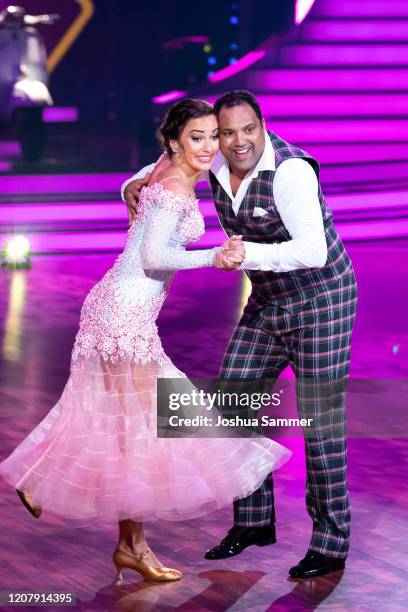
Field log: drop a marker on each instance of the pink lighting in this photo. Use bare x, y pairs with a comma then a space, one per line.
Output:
178, 43
363, 10
359, 31
302, 9
244, 62
108, 182
60, 114
351, 105
338, 79
170, 96
352, 55
341, 130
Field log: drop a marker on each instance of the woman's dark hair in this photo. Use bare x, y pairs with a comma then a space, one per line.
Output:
236, 98
177, 117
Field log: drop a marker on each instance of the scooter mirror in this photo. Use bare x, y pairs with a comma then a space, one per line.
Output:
13, 16
41, 19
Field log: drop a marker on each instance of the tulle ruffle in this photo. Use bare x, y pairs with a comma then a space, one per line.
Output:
95, 456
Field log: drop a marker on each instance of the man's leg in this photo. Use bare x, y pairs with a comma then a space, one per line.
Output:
320, 354
254, 354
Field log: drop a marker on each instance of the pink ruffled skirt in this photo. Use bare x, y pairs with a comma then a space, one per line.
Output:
95, 456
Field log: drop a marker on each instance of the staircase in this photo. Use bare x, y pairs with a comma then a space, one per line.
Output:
337, 86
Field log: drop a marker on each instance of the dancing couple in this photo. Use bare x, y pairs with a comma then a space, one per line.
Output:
95, 456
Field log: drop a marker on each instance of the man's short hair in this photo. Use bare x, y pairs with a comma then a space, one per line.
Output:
236, 98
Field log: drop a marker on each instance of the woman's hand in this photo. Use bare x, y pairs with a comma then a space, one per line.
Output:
231, 255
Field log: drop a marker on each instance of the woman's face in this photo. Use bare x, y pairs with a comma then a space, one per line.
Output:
198, 142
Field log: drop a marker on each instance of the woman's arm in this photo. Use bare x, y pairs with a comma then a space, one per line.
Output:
160, 251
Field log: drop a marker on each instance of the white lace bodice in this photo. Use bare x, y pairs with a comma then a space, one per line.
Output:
118, 315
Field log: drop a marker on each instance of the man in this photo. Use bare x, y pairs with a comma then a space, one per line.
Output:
300, 312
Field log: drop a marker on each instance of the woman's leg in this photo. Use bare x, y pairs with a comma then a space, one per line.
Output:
132, 539
131, 536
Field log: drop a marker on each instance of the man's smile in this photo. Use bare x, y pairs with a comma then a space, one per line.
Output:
242, 153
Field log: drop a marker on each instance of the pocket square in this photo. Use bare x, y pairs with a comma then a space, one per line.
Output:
259, 212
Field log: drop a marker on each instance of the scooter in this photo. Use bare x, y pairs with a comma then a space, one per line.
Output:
24, 78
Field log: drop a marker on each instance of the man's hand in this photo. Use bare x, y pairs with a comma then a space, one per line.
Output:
232, 255
131, 195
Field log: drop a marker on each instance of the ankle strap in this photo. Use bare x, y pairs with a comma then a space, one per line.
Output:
138, 556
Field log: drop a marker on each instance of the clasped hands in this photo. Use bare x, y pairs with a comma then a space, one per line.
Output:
232, 252
231, 255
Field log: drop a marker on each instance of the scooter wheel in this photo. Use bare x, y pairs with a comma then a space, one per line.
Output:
31, 133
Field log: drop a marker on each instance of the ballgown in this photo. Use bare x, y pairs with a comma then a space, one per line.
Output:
96, 455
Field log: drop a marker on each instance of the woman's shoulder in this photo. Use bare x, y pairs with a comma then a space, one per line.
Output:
170, 192
172, 182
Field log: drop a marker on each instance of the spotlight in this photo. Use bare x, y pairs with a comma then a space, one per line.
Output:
207, 48
16, 253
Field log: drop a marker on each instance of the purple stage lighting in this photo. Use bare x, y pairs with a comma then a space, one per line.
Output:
170, 96
244, 62
302, 9
60, 114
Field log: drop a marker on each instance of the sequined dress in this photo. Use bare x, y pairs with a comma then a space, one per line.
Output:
96, 454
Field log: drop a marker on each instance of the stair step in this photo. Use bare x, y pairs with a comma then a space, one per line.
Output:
349, 230
41, 218
344, 55
105, 241
360, 8
108, 183
54, 213
353, 31
354, 203
333, 105
376, 173
341, 130
57, 212
354, 153
326, 79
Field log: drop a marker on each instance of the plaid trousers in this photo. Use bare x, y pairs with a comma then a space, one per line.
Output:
316, 343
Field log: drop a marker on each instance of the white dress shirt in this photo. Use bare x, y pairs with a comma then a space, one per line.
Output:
295, 192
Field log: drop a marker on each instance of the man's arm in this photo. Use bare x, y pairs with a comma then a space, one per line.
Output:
295, 192
139, 175
131, 187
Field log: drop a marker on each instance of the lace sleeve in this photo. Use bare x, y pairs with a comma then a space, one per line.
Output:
160, 249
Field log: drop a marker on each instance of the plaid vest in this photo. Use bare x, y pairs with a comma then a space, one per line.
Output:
288, 290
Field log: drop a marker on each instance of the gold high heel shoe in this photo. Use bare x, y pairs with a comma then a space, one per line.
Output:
26, 500
126, 560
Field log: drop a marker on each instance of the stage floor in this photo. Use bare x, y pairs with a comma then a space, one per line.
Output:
39, 316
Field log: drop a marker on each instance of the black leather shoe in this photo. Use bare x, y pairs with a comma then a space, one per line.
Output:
316, 564
238, 538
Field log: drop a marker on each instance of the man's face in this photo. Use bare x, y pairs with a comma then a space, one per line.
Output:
242, 137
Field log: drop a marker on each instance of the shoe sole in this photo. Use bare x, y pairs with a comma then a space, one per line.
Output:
35, 512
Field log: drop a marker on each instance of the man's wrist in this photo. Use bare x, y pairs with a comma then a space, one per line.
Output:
253, 256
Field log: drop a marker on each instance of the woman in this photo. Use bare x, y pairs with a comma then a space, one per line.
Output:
96, 456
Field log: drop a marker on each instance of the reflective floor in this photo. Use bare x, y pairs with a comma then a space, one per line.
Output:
40, 312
